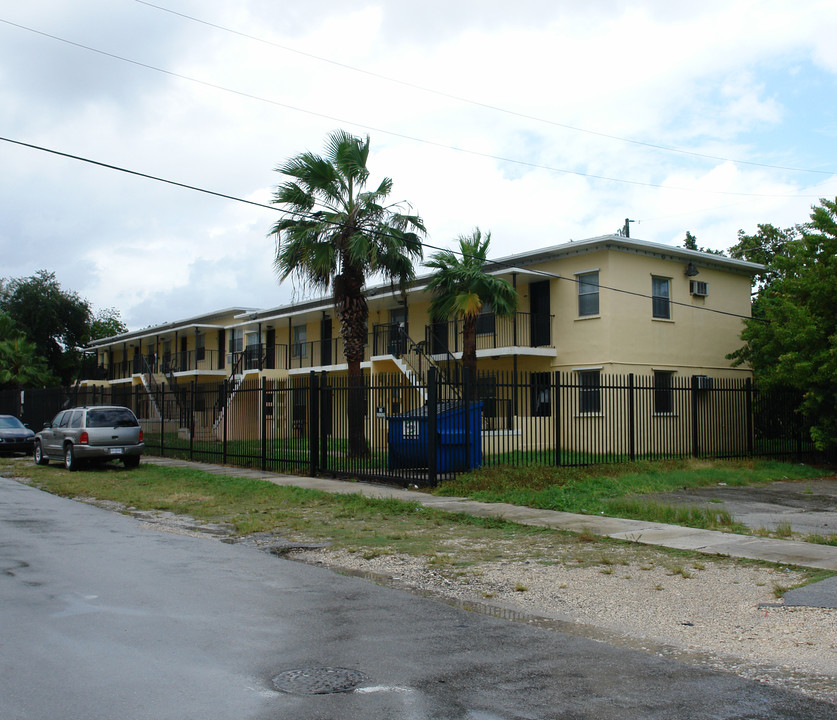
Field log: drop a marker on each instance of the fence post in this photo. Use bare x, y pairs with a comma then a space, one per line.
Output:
162, 409
748, 389
264, 422
557, 414
225, 408
325, 418
466, 403
695, 435
632, 416
431, 425
191, 419
313, 424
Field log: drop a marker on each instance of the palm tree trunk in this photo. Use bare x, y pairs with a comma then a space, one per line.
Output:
469, 352
353, 314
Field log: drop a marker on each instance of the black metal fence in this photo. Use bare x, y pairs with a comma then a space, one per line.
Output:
417, 433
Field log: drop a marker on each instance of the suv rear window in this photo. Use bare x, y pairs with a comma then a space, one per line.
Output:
111, 417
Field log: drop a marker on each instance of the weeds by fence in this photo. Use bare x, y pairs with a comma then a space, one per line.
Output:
417, 432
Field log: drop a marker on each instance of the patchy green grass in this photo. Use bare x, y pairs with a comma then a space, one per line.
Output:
352, 522
616, 489
688, 515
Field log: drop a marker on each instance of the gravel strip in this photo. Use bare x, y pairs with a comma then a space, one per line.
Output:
719, 614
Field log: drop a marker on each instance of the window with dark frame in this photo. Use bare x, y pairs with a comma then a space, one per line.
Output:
485, 320
590, 392
663, 392
588, 294
300, 345
540, 398
661, 298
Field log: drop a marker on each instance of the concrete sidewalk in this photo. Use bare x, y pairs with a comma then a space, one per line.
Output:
672, 536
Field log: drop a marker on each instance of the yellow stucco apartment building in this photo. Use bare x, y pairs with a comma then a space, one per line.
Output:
605, 306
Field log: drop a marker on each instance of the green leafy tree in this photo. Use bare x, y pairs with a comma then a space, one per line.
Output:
792, 338
764, 247
20, 364
461, 288
334, 234
106, 324
57, 322
690, 243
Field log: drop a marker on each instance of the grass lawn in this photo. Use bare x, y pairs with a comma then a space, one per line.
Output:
615, 490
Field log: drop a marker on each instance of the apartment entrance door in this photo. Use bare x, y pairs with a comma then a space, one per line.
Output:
539, 330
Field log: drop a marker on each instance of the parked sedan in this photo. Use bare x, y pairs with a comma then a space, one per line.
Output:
15, 437
97, 433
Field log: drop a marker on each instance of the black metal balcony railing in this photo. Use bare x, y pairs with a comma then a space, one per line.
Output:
166, 364
522, 330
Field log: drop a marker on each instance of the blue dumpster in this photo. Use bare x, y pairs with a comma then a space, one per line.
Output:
458, 439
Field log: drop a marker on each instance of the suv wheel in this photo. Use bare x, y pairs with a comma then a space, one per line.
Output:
131, 461
38, 454
70, 461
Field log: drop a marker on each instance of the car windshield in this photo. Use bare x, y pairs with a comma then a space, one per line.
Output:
10, 422
111, 417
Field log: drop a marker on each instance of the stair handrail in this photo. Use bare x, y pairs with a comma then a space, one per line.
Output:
415, 355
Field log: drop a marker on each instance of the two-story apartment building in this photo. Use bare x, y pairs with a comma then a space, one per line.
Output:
606, 305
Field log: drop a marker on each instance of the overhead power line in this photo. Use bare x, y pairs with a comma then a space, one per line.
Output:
304, 215
466, 151
477, 103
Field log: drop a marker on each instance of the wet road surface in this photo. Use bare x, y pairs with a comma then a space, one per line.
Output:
102, 618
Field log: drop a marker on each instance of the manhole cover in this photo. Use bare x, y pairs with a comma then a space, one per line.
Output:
318, 681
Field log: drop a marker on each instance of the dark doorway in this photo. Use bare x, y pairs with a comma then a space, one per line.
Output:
397, 340
439, 338
325, 340
270, 349
539, 330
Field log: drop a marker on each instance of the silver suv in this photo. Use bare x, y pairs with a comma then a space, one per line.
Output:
98, 433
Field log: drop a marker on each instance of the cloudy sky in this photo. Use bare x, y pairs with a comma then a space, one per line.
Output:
542, 121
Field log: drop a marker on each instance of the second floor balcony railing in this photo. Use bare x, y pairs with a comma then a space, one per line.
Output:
521, 330
164, 364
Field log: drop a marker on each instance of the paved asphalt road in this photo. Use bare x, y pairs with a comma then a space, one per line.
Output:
102, 618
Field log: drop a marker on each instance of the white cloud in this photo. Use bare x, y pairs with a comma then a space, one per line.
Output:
712, 78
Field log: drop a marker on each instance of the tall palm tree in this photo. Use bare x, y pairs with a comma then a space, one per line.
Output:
335, 234
461, 288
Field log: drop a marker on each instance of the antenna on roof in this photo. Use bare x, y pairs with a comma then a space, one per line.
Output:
626, 229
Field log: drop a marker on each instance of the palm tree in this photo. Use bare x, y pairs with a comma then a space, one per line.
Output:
462, 289
334, 234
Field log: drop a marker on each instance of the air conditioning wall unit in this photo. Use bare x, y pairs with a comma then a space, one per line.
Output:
699, 288
704, 382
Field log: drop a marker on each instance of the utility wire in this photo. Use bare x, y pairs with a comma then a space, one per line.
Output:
477, 103
137, 173
314, 215
411, 138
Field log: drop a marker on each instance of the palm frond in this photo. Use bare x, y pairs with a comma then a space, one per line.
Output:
333, 228
461, 286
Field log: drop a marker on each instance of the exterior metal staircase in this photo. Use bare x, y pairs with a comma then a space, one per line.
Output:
413, 360
233, 383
